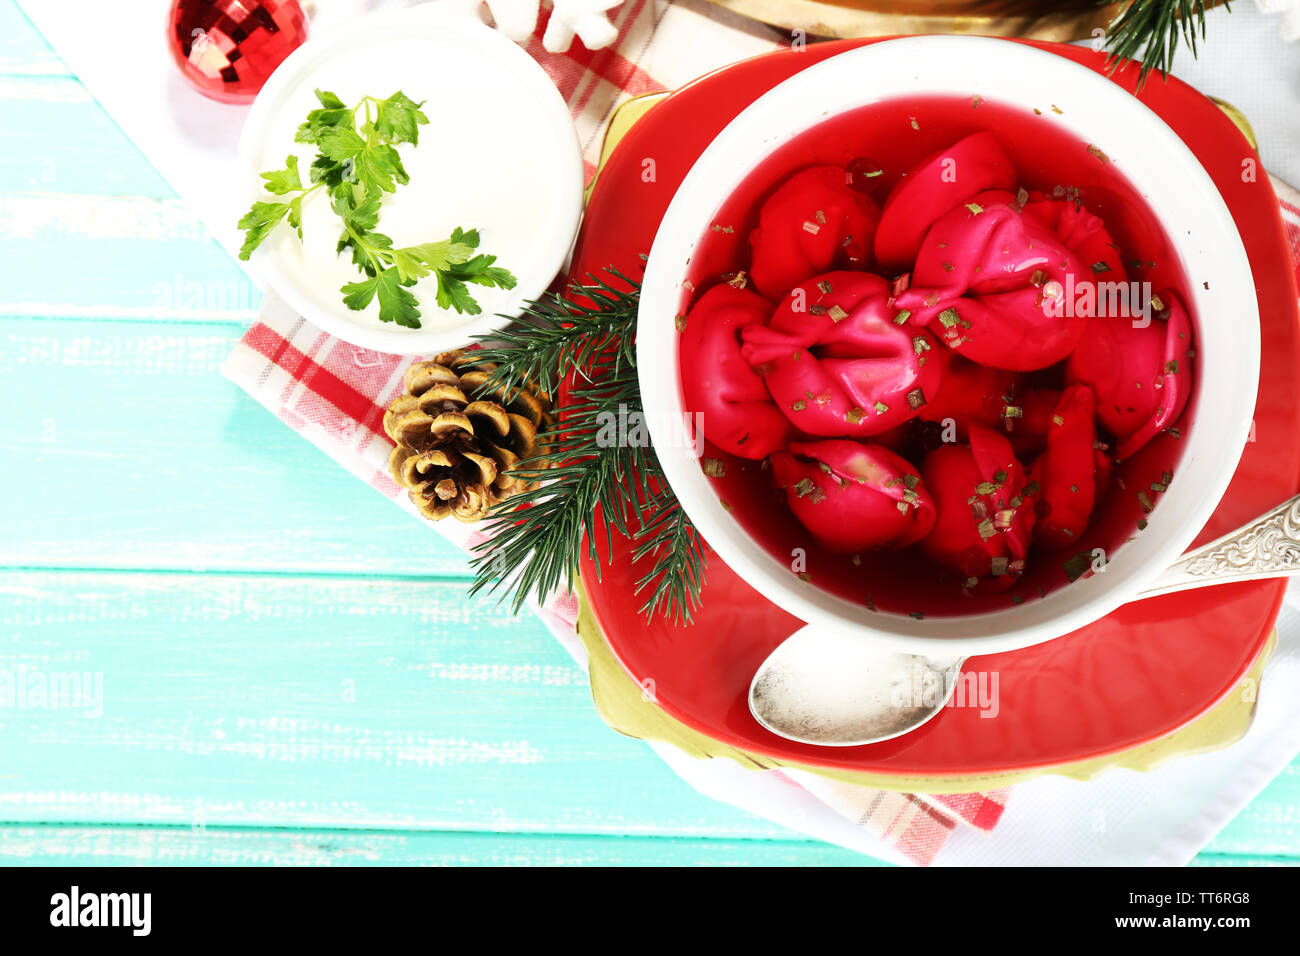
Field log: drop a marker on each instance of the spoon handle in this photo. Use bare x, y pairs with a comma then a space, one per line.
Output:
1268, 547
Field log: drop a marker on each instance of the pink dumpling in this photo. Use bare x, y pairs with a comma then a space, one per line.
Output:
1083, 233
738, 414
813, 221
836, 361
991, 284
938, 184
983, 518
1140, 374
1071, 472
854, 496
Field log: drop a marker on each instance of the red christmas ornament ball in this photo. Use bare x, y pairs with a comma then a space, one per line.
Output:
226, 49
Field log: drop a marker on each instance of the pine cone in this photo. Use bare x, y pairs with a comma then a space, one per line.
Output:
453, 452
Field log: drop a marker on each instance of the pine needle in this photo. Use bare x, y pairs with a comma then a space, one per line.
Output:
1150, 31
602, 479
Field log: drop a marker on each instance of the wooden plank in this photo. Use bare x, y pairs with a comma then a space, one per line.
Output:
274, 700
1233, 860
76, 255
87, 226
124, 447
1270, 825
53, 132
157, 846
23, 51
232, 700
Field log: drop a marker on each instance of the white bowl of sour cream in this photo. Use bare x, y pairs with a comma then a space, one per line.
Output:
500, 154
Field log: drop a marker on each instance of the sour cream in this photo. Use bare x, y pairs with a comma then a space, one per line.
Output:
499, 155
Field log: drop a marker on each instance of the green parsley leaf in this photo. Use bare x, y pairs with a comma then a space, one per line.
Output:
340, 143
357, 165
281, 181
258, 222
332, 113
326, 171
396, 304
295, 215
399, 119
329, 100
379, 168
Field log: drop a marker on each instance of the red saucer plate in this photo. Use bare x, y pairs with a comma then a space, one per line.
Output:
1143, 672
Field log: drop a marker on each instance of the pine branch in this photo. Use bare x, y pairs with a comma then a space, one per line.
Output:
594, 478
1150, 31
557, 334
677, 576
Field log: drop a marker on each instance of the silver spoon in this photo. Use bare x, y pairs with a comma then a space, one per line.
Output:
829, 689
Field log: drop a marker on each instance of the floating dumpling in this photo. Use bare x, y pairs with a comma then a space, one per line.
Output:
971, 394
1083, 233
989, 282
854, 496
1139, 370
836, 361
813, 222
939, 184
1071, 472
984, 517
737, 413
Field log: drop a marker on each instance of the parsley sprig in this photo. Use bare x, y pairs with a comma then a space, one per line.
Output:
357, 164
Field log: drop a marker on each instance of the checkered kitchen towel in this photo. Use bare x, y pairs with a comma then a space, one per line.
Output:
335, 393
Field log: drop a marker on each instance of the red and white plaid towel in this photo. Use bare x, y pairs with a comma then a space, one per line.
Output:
334, 393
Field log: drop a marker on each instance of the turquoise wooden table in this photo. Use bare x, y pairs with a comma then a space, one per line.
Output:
291, 673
